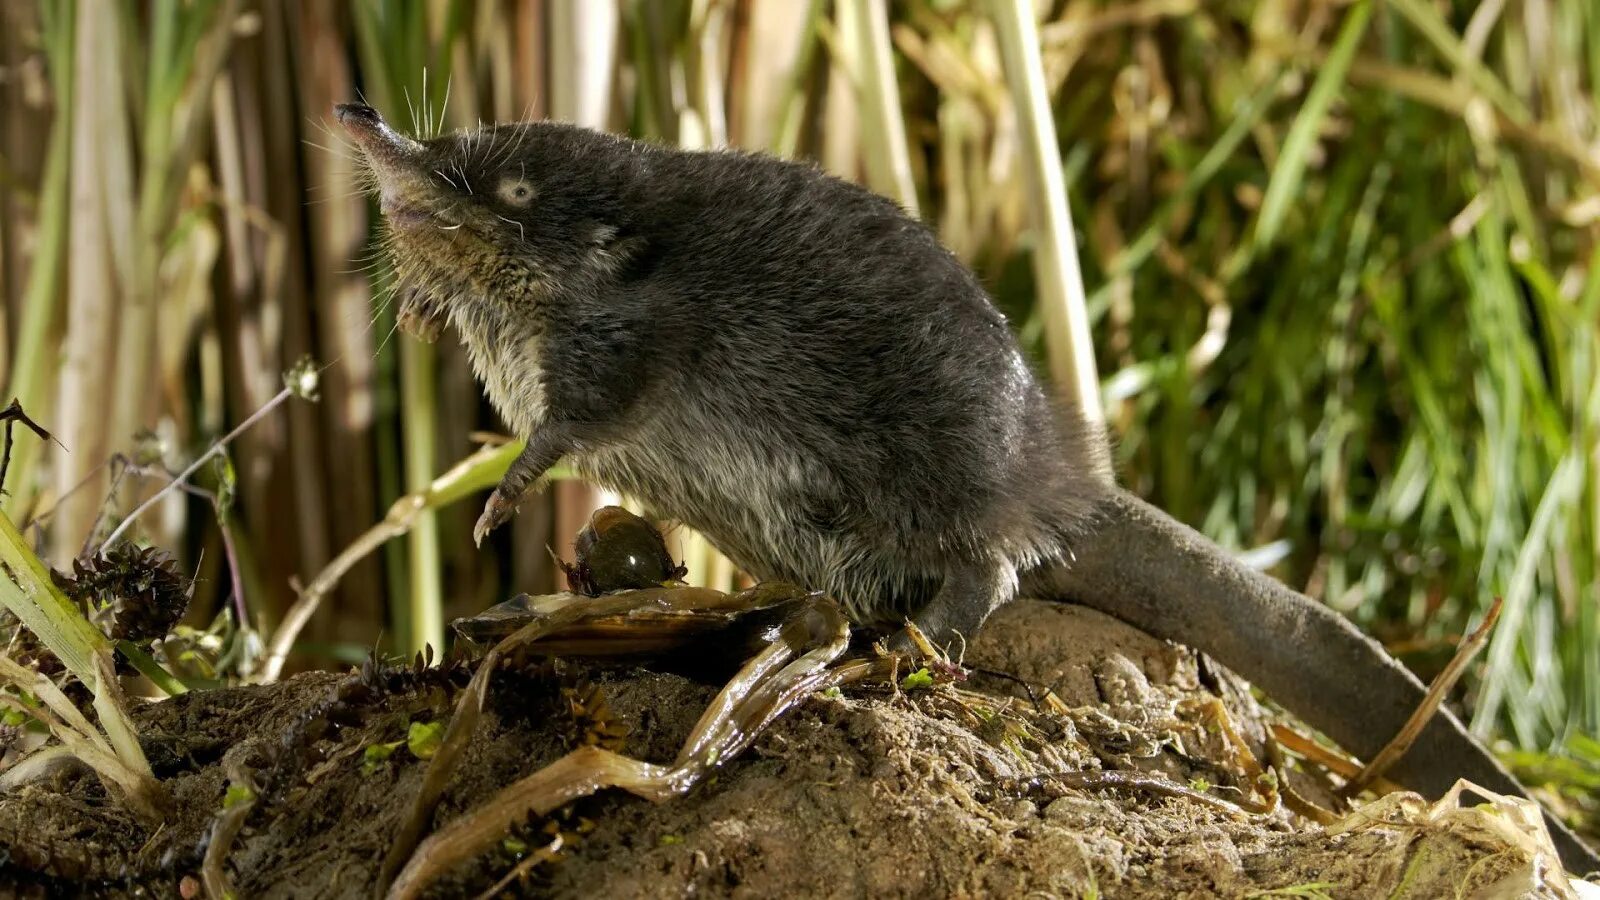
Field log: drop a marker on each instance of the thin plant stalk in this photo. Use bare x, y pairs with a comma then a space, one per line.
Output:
790, 105
425, 623
887, 155
427, 37
183, 476
583, 45
1058, 279
37, 338
88, 345
27, 590
1288, 173
474, 473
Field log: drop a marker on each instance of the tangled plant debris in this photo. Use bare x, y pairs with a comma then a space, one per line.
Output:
1068, 754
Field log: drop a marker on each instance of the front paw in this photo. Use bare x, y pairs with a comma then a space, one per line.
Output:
496, 512
419, 316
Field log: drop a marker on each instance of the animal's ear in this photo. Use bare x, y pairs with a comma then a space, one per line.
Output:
613, 248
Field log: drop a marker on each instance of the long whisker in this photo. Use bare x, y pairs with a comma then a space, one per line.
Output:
478, 137
332, 151
448, 82
385, 298
385, 342
406, 92
337, 198
342, 141
523, 235
427, 107
522, 134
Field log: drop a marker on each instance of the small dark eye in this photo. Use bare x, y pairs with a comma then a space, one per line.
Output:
516, 192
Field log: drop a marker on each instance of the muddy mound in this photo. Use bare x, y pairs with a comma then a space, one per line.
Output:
969, 790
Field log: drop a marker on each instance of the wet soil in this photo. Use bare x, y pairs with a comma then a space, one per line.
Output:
944, 792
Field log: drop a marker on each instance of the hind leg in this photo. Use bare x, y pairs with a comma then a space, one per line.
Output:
970, 592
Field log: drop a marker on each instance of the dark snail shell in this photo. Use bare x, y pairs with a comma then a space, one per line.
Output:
619, 551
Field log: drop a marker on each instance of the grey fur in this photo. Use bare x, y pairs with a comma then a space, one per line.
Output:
792, 366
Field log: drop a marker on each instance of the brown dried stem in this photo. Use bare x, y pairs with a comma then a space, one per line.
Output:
1437, 691
478, 470
223, 832
1147, 783
11, 415
469, 706
769, 684
194, 466
1297, 803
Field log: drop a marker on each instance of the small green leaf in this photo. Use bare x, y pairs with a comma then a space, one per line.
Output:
667, 840
423, 739
833, 693
514, 846
1199, 785
375, 754
237, 794
918, 680
227, 483
149, 448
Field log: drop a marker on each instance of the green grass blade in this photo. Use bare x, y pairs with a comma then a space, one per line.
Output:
1288, 175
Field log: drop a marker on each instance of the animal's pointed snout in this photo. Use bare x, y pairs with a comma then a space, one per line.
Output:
357, 112
387, 149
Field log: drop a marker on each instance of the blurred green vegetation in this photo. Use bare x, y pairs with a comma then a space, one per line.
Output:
1340, 257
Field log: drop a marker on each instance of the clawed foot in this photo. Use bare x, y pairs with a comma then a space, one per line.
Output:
928, 643
496, 512
419, 316
900, 642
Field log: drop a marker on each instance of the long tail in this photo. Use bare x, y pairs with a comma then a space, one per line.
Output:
1140, 565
